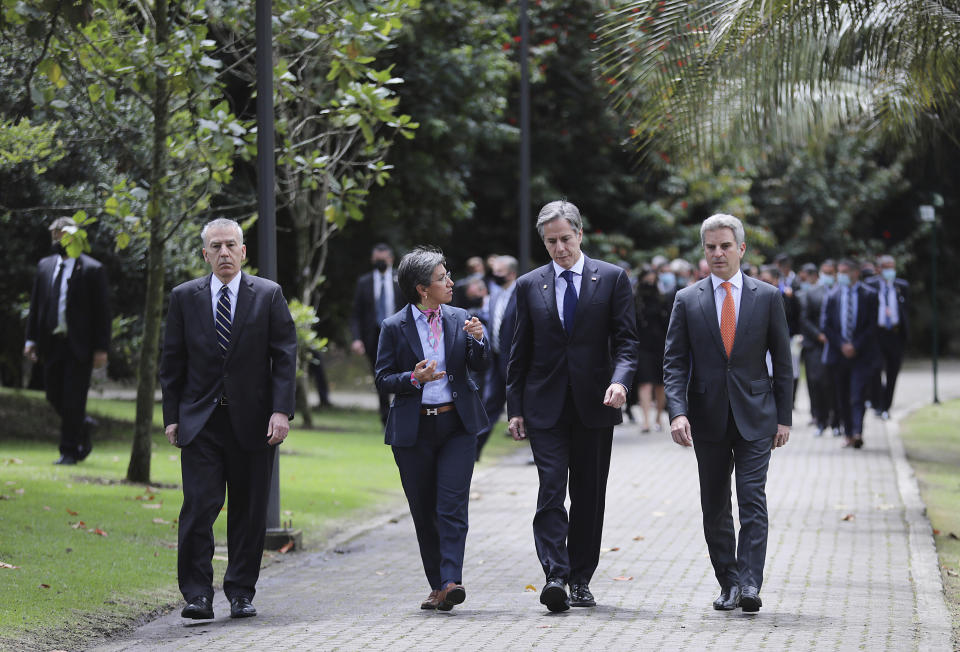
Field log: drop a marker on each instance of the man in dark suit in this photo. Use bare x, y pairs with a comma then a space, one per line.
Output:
893, 298
852, 354
68, 328
572, 359
227, 371
819, 382
376, 297
502, 317
724, 403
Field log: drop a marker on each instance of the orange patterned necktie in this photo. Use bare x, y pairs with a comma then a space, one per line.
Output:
728, 319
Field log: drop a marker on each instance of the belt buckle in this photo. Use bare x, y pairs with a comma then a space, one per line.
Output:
432, 412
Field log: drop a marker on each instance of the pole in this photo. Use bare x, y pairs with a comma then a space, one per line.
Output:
936, 317
266, 201
524, 138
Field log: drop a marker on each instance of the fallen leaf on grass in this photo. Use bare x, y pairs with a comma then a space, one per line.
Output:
46, 508
13, 460
98, 531
6, 565
5, 497
287, 547
172, 458
152, 505
20, 491
71, 512
848, 517
936, 531
79, 525
530, 588
44, 586
953, 535
623, 578
160, 521
952, 573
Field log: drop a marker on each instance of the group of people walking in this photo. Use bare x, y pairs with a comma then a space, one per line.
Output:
562, 347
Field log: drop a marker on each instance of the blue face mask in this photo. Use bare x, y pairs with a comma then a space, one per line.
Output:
889, 274
804, 285
668, 280
843, 279
826, 280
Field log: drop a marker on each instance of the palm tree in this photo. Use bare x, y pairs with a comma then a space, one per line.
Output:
712, 77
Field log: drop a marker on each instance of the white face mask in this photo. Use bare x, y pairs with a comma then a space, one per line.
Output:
889, 274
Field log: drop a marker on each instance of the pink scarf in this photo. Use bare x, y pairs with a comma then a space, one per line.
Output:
435, 336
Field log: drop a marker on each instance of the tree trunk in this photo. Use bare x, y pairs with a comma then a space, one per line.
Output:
303, 400
139, 468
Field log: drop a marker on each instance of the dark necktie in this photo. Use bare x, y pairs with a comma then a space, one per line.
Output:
223, 320
848, 316
53, 308
569, 300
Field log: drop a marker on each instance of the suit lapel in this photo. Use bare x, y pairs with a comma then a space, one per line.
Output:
708, 306
203, 306
589, 281
245, 297
409, 327
748, 299
547, 289
449, 333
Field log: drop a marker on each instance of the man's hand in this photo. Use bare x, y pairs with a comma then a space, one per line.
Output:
278, 428
171, 433
475, 328
616, 396
99, 359
782, 436
426, 372
848, 349
30, 352
822, 338
680, 431
357, 347
517, 430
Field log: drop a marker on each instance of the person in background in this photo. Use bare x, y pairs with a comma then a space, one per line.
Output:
893, 319
653, 316
503, 312
819, 387
68, 330
376, 297
850, 324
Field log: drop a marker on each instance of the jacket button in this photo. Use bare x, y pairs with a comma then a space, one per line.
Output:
454, 395
450, 377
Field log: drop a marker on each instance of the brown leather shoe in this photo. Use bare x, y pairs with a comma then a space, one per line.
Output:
432, 601
451, 594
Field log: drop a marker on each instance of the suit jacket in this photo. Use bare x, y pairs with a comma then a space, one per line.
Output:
257, 375
864, 337
902, 290
363, 317
544, 359
399, 351
701, 382
88, 307
811, 305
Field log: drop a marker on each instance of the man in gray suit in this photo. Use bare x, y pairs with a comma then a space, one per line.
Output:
724, 403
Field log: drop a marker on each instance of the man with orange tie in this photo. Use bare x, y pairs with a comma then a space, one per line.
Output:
724, 402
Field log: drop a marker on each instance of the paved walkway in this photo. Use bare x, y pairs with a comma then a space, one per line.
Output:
850, 564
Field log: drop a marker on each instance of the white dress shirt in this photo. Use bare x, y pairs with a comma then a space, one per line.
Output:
560, 285
68, 266
233, 289
888, 301
719, 293
383, 282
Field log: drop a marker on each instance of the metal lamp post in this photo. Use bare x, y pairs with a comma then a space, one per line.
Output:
928, 214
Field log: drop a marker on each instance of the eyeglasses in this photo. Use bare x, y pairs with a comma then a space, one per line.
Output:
443, 279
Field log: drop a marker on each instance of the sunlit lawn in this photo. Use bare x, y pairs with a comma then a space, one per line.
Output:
93, 552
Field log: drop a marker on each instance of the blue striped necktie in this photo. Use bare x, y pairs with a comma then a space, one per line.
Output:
223, 321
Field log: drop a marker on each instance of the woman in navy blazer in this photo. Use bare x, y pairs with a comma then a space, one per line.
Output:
423, 357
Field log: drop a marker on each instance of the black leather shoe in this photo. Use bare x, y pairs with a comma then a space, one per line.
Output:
580, 596
67, 460
240, 607
750, 599
728, 599
199, 609
554, 596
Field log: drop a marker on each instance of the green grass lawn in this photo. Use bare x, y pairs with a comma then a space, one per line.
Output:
95, 554
932, 439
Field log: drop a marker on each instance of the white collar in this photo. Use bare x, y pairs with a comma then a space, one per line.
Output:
233, 286
736, 280
577, 267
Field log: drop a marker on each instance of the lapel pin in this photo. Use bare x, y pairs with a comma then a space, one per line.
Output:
544, 286
593, 278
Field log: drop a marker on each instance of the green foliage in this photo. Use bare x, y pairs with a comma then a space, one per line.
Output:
308, 342
22, 142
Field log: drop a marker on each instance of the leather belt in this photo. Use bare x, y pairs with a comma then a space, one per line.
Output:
434, 410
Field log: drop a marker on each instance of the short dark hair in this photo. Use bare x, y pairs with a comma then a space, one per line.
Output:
381, 246
416, 268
